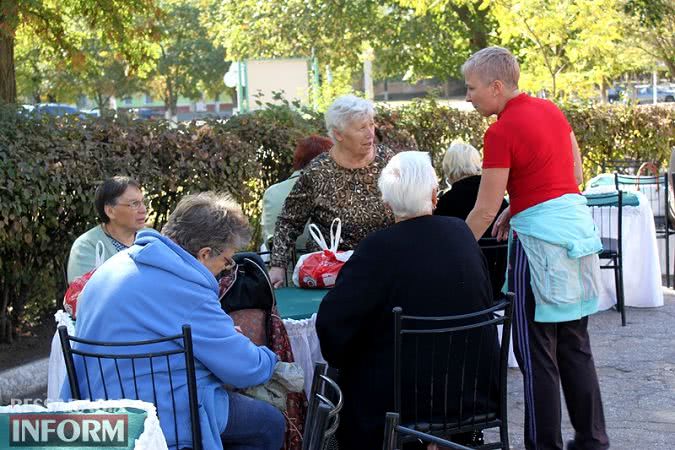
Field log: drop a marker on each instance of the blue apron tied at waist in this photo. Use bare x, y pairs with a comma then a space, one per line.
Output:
562, 244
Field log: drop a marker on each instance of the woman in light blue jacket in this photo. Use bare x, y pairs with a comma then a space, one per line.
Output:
162, 282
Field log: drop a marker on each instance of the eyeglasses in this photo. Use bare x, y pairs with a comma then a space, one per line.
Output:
231, 265
136, 204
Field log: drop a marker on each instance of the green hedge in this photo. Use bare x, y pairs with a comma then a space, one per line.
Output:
49, 169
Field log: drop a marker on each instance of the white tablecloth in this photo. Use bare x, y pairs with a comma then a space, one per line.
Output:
57, 366
641, 268
305, 346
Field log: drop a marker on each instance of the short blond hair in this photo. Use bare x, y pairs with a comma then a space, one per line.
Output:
493, 63
461, 160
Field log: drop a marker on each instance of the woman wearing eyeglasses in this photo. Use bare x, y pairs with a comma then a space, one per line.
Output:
166, 280
121, 208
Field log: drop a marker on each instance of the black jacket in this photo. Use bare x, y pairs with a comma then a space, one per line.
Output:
428, 266
458, 202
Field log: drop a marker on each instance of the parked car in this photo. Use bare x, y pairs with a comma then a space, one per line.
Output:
616, 94
93, 112
645, 94
147, 113
56, 109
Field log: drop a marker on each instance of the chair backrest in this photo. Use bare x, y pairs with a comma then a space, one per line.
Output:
459, 383
325, 403
394, 433
496, 255
118, 369
606, 209
655, 188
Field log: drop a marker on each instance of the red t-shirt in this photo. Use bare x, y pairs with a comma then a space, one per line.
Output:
532, 138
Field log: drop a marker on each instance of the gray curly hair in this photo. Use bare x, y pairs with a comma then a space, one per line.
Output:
208, 219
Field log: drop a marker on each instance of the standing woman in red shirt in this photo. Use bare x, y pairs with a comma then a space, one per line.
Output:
531, 152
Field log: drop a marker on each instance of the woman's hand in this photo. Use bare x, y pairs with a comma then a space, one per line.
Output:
501, 228
277, 276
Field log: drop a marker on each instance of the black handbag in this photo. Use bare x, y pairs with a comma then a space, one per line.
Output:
250, 287
247, 295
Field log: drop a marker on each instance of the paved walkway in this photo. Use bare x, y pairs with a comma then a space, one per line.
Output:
636, 368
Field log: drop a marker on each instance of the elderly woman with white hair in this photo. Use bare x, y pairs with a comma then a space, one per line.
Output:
462, 171
340, 183
429, 266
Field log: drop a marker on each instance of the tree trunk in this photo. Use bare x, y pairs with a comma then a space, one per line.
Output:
7, 74
170, 99
475, 23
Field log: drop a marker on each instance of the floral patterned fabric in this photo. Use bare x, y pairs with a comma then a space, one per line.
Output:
253, 325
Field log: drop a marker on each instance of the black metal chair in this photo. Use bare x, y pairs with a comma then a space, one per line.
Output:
611, 235
393, 432
496, 253
325, 403
123, 370
656, 189
459, 382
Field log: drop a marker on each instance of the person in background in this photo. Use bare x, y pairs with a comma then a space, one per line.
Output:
554, 270
429, 266
121, 208
275, 195
340, 183
161, 283
462, 172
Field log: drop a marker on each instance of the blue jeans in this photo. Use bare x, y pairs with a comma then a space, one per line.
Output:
252, 425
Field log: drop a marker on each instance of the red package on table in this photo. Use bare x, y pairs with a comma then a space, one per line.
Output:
320, 269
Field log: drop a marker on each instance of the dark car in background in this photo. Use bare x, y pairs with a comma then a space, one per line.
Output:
56, 109
616, 94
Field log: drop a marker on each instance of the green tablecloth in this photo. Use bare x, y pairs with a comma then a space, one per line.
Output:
295, 303
629, 199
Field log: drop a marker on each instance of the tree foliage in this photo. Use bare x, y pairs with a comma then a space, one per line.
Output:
568, 46
126, 25
188, 62
407, 39
653, 29
432, 39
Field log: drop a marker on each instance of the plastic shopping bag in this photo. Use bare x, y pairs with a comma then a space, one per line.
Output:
77, 286
320, 269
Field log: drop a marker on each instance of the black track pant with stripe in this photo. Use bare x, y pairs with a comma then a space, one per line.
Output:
551, 355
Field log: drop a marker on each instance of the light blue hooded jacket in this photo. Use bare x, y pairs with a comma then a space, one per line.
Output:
562, 245
150, 291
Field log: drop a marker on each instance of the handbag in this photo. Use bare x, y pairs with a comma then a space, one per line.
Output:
320, 269
247, 296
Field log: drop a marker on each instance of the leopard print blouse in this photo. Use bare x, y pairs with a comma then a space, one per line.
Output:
326, 190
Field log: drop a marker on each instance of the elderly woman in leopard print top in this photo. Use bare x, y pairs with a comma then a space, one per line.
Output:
341, 183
